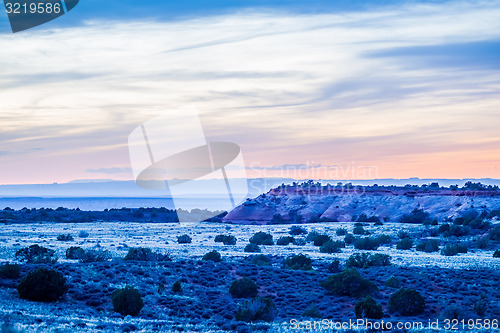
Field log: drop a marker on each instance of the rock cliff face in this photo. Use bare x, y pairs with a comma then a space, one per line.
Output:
295, 204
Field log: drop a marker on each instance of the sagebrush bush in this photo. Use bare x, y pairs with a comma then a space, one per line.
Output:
454, 249
10, 271
42, 285
257, 309
341, 232
252, 248
349, 239
212, 256
296, 230
365, 260
331, 247
285, 240
298, 262
384, 239
482, 242
184, 239
321, 239
65, 238
495, 233
36, 254
145, 254
430, 245
311, 236
262, 238
261, 260
177, 287
312, 312
358, 230
366, 243
404, 244
225, 239
334, 266
393, 282
496, 254
349, 283
127, 301
368, 308
243, 288
75, 252
416, 216
95, 255
407, 302
83, 234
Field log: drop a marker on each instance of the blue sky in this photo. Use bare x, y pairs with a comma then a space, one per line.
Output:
409, 89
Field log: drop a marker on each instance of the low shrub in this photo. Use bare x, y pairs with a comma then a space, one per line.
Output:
331, 247
225, 239
368, 308
312, 312
177, 287
143, 254
243, 288
403, 234
261, 260
285, 240
483, 242
262, 238
36, 254
184, 239
83, 234
95, 255
257, 309
43, 285
349, 239
10, 271
404, 244
127, 301
393, 282
496, 254
349, 283
384, 239
495, 233
296, 230
358, 230
378, 223
65, 238
311, 236
298, 262
212, 256
321, 239
334, 266
365, 260
455, 312
366, 243
364, 218
252, 248
416, 216
407, 302
341, 232
454, 249
430, 245
75, 252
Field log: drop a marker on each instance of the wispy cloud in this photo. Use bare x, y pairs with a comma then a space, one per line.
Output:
111, 171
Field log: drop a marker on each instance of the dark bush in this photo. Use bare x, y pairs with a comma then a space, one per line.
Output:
261, 260
262, 238
334, 266
349, 239
384, 239
95, 255
364, 218
404, 244
277, 219
341, 232
455, 312
378, 223
482, 242
312, 312
416, 216
296, 230
403, 234
65, 238
393, 282
496, 254
75, 252
298, 262
184, 239
349, 283
10, 271
366, 243
481, 306
430, 245
177, 287
225, 239
243, 288
365, 260
83, 234
321, 239
368, 308
311, 236
358, 230
252, 248
257, 309
141, 254
495, 233
407, 302
36, 254
285, 240
43, 285
454, 249
127, 301
212, 256
331, 247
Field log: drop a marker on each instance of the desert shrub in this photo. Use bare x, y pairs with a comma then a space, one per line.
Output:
296, 230
277, 219
298, 262
36, 254
384, 239
455, 312
243, 288
262, 238
43, 285
65, 238
225, 239
366, 243
404, 244
495, 233
393, 282
341, 232
416, 216
364, 218
184, 239
312, 312
358, 230
457, 231
378, 223
349, 239
75, 252
349, 283
403, 234
83, 234
212, 256
177, 287
300, 241
127, 301
10, 271
331, 247
321, 239
430, 245
407, 302
482, 242
257, 309
334, 266
252, 248
496, 254
95, 255
454, 249
368, 308
261, 260
481, 306
311, 236
357, 224
365, 260
285, 240
142, 254
444, 228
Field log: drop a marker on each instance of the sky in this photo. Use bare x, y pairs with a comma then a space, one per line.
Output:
323, 89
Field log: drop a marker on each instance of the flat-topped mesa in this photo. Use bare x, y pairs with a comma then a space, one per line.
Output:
312, 202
